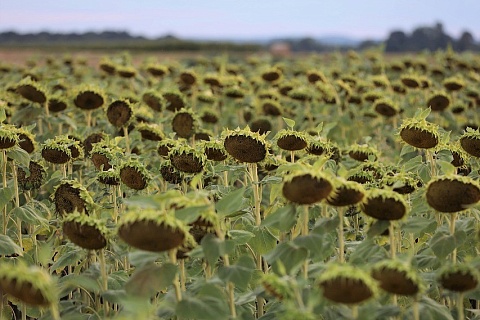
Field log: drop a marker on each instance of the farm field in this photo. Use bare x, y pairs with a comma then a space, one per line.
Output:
243, 186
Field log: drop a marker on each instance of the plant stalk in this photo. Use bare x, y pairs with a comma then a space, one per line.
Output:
391, 233
460, 312
341, 241
453, 217
176, 281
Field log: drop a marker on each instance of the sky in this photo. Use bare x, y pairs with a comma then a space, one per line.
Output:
241, 19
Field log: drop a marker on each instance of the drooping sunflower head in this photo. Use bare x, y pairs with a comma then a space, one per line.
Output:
244, 145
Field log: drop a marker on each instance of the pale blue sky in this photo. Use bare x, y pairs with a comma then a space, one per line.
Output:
240, 18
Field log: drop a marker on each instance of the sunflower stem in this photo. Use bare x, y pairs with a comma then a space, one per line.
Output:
416, 310
341, 242
453, 217
4, 176
104, 275
391, 233
355, 312
176, 281
183, 277
460, 312
17, 204
127, 140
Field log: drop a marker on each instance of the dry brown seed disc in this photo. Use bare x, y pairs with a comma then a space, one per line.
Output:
99, 159
67, 200
384, 209
31, 93
291, 143
174, 101
262, 126
148, 235
438, 102
88, 100
6, 143
26, 143
215, 154
410, 82
170, 175
271, 76
23, 291
183, 125
271, 109
188, 78
419, 138
164, 149
152, 101
345, 196
90, 140
449, 195
385, 109
359, 155
458, 281
119, 113
55, 156
245, 149
34, 180
306, 189
56, 105
133, 178
150, 135
395, 281
346, 290
187, 162
471, 145
85, 236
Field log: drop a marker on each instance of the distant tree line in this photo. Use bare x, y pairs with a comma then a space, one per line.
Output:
429, 38
422, 38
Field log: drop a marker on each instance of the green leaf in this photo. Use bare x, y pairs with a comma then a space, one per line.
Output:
139, 258
3, 115
8, 246
203, 307
377, 228
69, 255
446, 167
240, 273
287, 256
230, 203
240, 237
74, 281
6, 195
444, 155
442, 244
432, 310
263, 241
150, 279
366, 252
29, 215
283, 218
190, 214
213, 248
19, 155
320, 246
413, 164
327, 225
290, 123
419, 225
142, 201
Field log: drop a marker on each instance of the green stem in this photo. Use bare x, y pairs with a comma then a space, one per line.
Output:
127, 140
460, 312
416, 310
17, 204
103, 271
4, 176
183, 277
176, 281
391, 233
341, 241
453, 217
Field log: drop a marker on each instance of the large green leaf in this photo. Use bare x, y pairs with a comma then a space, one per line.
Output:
231, 203
286, 257
203, 307
442, 244
213, 248
419, 225
8, 246
432, 310
6, 195
20, 156
366, 252
283, 219
150, 279
263, 240
68, 256
320, 246
240, 273
29, 214
240, 237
